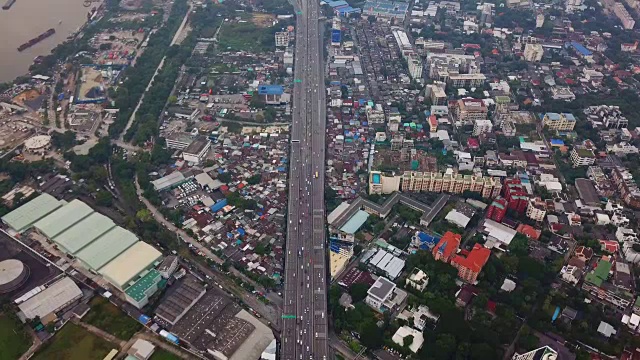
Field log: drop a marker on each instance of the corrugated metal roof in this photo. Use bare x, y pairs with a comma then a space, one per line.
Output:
51, 299
138, 290
84, 232
107, 247
26, 215
121, 270
170, 180
61, 219
355, 222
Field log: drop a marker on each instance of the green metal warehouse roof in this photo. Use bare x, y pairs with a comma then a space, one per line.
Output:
26, 215
138, 290
62, 219
106, 247
84, 232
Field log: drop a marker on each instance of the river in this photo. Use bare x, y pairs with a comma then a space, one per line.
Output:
29, 18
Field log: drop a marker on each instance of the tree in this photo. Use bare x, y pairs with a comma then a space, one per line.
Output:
104, 198
144, 215
407, 341
358, 292
519, 246
371, 335
255, 179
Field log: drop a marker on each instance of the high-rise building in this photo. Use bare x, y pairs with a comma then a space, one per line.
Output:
516, 195
625, 18
497, 209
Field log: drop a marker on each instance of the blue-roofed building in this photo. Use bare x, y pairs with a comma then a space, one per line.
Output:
270, 90
581, 50
424, 241
338, 3
348, 230
273, 94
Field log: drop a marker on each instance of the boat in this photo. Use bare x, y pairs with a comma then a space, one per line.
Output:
36, 39
8, 4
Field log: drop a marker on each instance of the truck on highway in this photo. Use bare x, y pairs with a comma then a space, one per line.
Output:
316, 174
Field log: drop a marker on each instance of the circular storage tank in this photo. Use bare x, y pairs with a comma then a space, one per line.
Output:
37, 142
13, 274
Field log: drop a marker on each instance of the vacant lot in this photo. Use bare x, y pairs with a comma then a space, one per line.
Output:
109, 318
161, 354
246, 36
74, 343
14, 339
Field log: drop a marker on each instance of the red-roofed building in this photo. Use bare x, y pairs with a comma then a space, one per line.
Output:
469, 267
529, 231
433, 123
610, 246
447, 247
473, 143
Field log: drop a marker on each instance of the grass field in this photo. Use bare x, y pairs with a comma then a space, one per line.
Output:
14, 339
161, 354
74, 343
109, 318
245, 36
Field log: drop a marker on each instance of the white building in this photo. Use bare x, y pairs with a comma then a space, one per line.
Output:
543, 353
581, 156
405, 331
482, 127
571, 274
418, 280
282, 39
533, 52
197, 150
384, 295
535, 210
53, 298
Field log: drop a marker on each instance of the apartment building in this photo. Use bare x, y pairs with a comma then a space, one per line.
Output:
482, 127
536, 209
582, 156
470, 110
375, 115
415, 66
562, 122
447, 247
516, 195
469, 266
497, 209
533, 52
439, 66
282, 38
466, 80
626, 185
488, 187
625, 18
